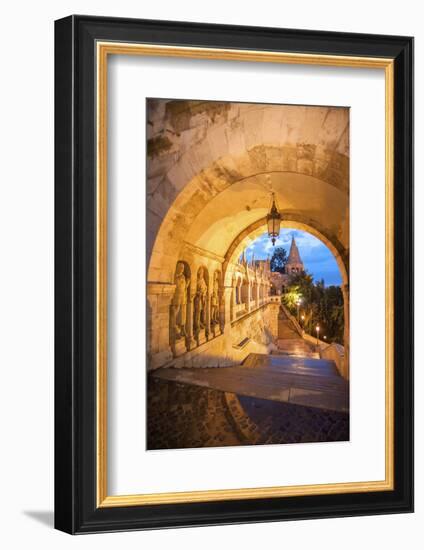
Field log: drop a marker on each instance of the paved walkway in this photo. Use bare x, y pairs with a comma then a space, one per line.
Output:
299, 381
183, 416
180, 416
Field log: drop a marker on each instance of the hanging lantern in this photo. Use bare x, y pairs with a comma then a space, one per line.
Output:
273, 220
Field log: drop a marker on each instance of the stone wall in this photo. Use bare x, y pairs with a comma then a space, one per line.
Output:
336, 353
199, 318
254, 332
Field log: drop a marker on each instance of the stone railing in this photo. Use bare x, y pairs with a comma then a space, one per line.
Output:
253, 332
240, 309
336, 353
292, 318
313, 340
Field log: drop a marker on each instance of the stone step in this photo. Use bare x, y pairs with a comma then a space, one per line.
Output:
287, 335
307, 382
298, 365
286, 329
297, 347
296, 353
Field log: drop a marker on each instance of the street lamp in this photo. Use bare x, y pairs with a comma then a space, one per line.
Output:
317, 330
298, 302
273, 221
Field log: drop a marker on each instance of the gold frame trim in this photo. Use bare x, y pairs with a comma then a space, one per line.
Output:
119, 48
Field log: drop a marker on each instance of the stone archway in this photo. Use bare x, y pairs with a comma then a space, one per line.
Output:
249, 234
211, 169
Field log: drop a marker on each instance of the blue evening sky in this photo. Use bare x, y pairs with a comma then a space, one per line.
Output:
317, 258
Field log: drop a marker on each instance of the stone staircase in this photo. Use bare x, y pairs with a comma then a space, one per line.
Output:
300, 381
290, 342
286, 329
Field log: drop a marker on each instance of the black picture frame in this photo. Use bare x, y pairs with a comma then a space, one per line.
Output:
76, 510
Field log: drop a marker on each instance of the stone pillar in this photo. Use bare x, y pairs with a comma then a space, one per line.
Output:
190, 341
159, 299
232, 295
273, 309
208, 316
249, 293
346, 335
223, 300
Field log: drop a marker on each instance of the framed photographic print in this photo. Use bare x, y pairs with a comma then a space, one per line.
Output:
234, 274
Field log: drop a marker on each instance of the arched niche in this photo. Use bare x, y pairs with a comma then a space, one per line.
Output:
179, 309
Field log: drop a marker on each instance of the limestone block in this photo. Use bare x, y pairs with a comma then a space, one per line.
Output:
288, 159
253, 127
200, 156
333, 126
158, 166
305, 166
257, 156
312, 122
271, 125
343, 144
273, 159
181, 173
217, 142
235, 138
157, 360
179, 348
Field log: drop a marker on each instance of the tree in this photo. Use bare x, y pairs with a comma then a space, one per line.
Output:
279, 259
320, 305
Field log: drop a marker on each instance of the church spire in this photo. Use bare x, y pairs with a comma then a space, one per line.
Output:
294, 256
294, 262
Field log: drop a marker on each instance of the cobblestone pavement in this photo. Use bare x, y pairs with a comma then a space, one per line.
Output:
183, 416
187, 416
286, 423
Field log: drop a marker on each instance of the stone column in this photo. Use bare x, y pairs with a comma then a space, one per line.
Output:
232, 296
273, 309
159, 299
346, 335
249, 293
208, 316
190, 341
222, 300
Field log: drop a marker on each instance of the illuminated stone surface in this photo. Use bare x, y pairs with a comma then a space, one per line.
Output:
211, 167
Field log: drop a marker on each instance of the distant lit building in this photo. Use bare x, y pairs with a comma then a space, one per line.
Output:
294, 265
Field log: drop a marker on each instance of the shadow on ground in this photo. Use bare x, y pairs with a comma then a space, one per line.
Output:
46, 517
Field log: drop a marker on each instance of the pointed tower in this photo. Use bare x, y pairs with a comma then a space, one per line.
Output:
294, 262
